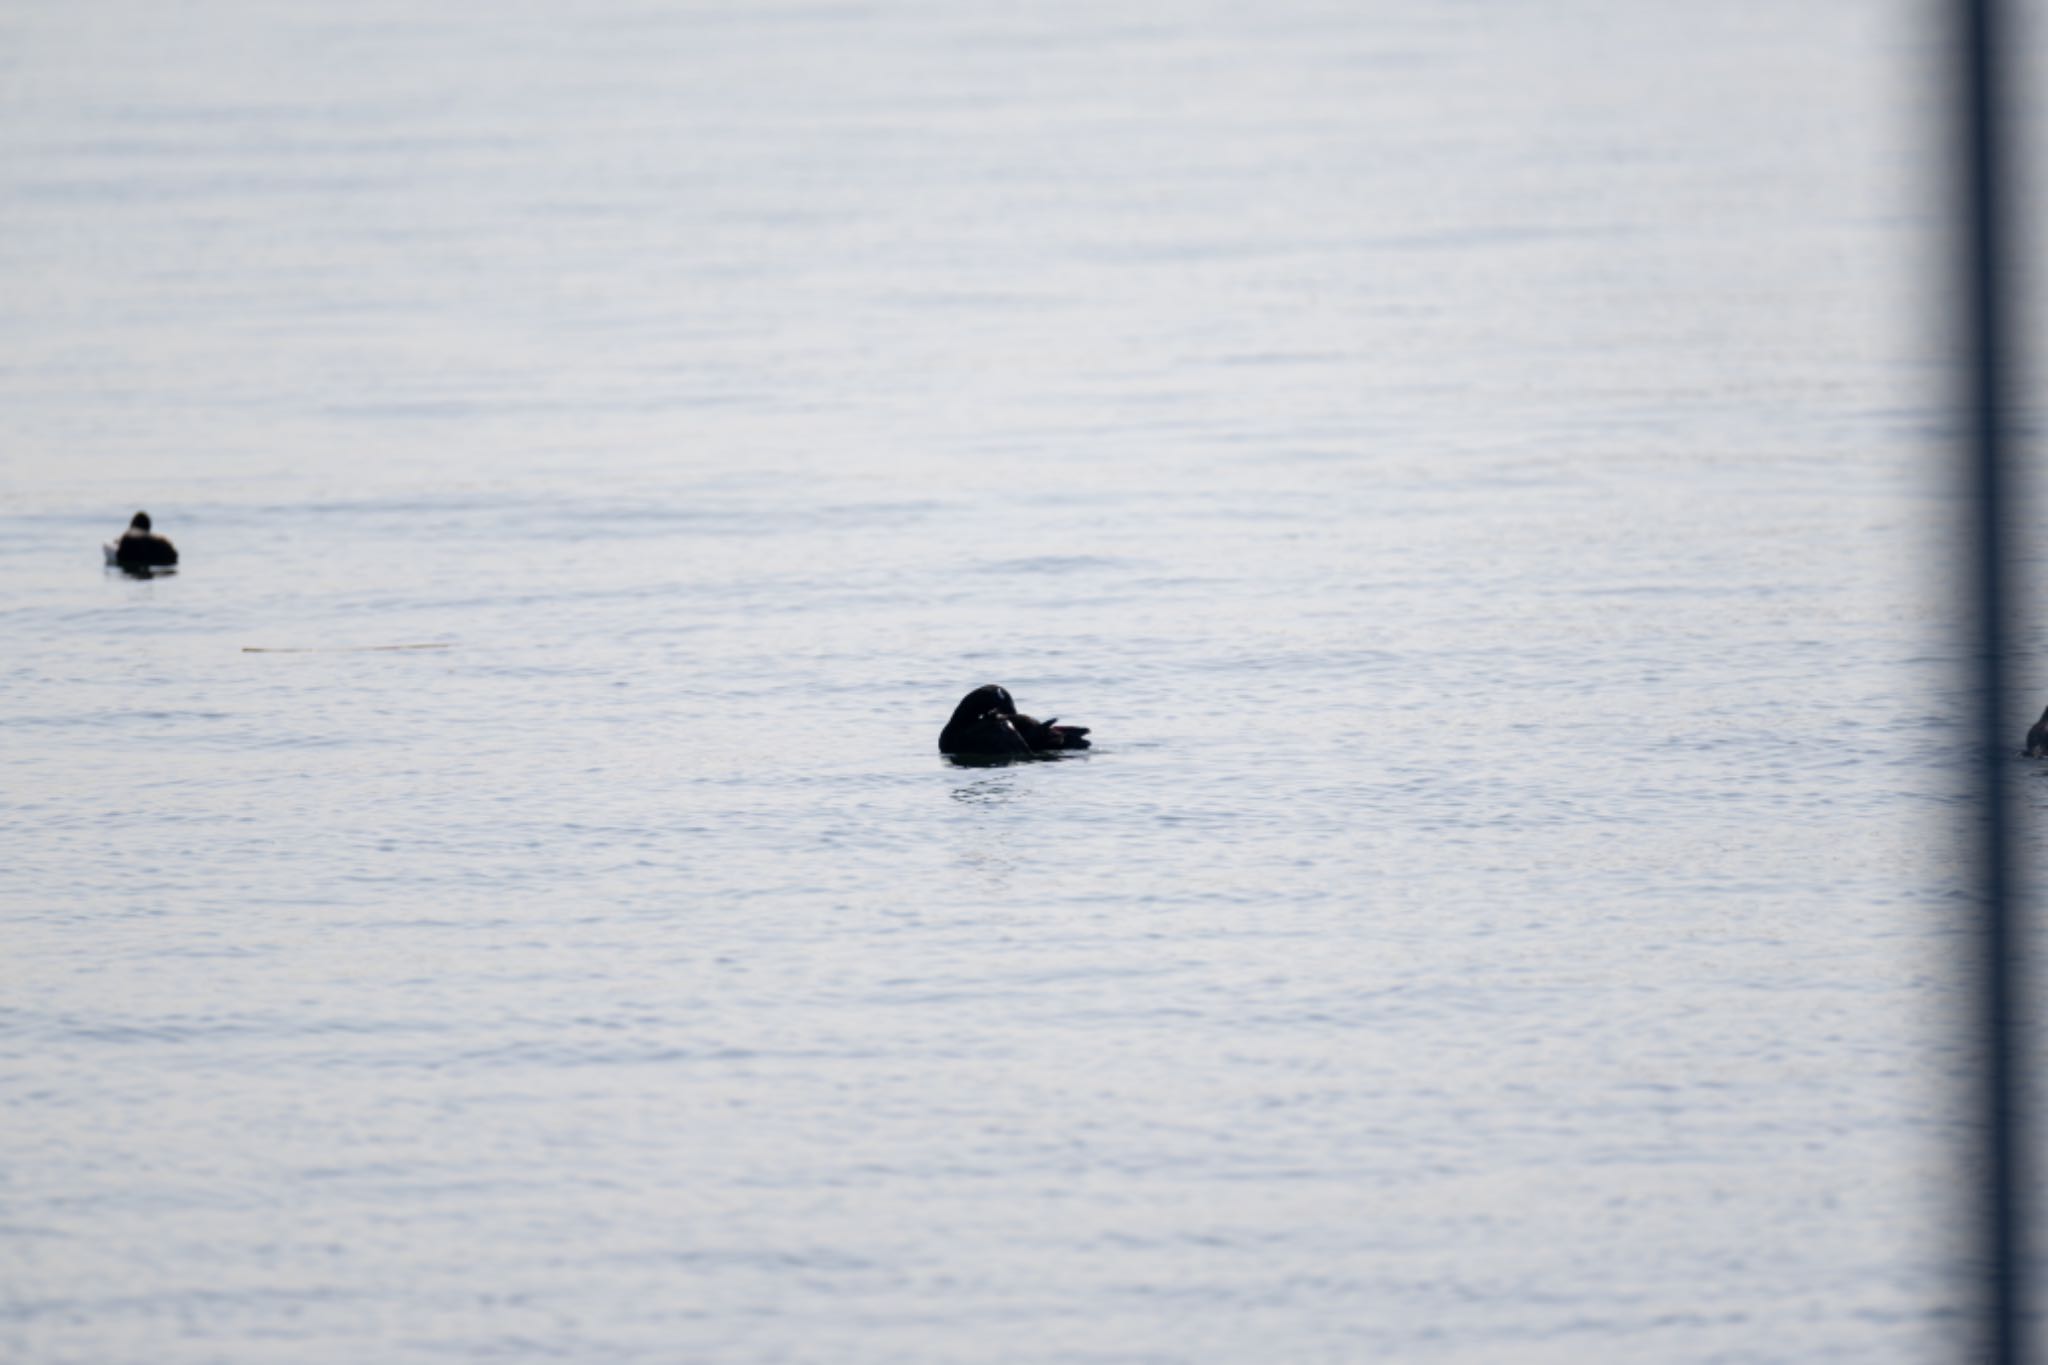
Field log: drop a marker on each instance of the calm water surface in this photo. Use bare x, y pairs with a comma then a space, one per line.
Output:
1469, 464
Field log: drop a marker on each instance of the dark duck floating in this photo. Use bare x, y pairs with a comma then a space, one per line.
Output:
2037, 738
986, 725
140, 551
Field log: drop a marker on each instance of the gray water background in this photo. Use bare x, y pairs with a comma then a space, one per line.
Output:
1474, 466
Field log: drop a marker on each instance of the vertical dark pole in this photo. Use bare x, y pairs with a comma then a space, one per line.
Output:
1987, 355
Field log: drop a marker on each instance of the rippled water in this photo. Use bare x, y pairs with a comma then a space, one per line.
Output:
1472, 466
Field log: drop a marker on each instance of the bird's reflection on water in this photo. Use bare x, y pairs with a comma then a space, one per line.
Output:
1000, 785
1012, 760
997, 789
985, 848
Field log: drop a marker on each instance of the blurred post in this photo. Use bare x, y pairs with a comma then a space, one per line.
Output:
1985, 334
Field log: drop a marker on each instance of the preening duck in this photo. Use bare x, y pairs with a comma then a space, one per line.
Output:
987, 724
140, 549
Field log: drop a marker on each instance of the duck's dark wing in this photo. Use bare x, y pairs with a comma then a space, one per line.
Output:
984, 736
1044, 735
141, 550
2037, 739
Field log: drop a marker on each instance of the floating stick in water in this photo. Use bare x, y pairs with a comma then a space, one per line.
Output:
339, 649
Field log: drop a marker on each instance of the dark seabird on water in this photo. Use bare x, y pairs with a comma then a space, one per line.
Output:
141, 550
2037, 738
986, 724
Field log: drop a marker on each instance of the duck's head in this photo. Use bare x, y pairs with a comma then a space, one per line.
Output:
139, 522
983, 700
